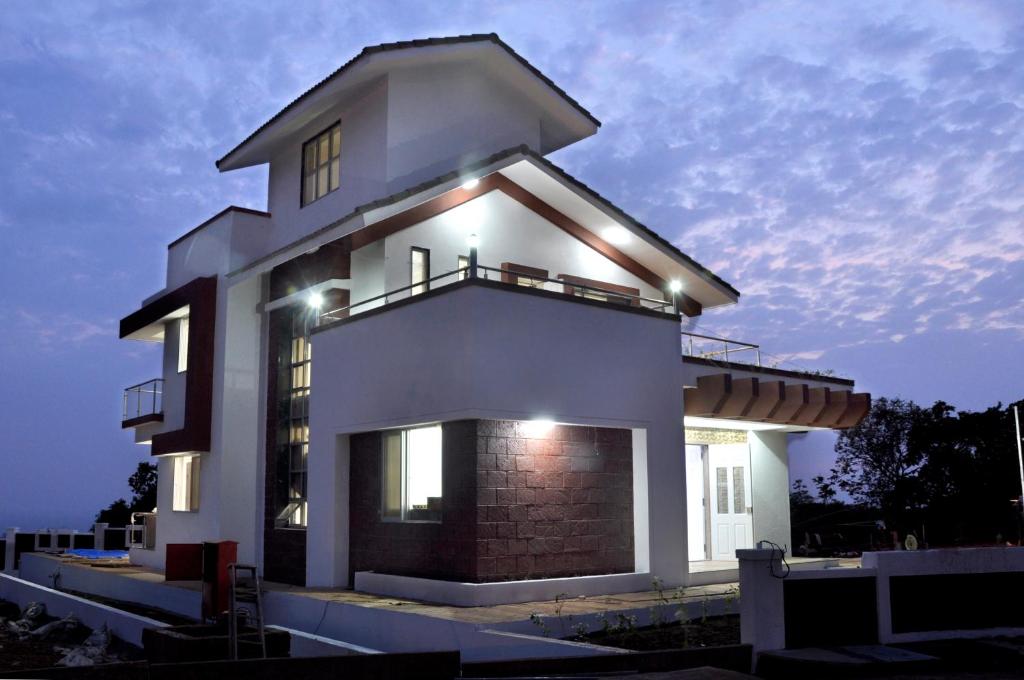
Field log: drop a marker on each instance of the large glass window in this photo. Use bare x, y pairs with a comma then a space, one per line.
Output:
294, 437
321, 164
411, 472
185, 493
419, 263
183, 345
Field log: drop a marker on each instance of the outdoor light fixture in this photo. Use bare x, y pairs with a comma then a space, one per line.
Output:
470, 184
617, 236
538, 427
315, 300
473, 241
675, 286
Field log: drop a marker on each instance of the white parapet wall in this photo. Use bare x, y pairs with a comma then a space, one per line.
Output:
504, 592
941, 562
124, 625
127, 585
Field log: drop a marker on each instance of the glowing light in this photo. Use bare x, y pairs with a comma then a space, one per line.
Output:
675, 286
470, 184
473, 241
617, 236
315, 300
538, 427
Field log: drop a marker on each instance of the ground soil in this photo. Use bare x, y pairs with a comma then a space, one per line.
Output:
713, 631
34, 653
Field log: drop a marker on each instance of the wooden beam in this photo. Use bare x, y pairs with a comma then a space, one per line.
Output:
707, 398
796, 401
741, 398
769, 395
833, 411
858, 405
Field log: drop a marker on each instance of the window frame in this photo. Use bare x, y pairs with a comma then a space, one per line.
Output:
302, 163
424, 284
183, 326
462, 263
191, 485
403, 517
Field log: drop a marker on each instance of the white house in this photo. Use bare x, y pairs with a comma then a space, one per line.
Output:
440, 356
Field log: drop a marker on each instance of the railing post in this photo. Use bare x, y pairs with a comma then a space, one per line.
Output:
472, 262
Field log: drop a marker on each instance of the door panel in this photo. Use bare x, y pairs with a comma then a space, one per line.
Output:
695, 512
731, 514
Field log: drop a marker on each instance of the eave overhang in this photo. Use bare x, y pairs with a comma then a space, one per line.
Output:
565, 120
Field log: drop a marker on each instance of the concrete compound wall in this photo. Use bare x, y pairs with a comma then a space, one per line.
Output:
124, 625
147, 589
967, 585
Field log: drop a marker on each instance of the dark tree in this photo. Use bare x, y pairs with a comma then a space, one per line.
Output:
143, 486
877, 461
800, 495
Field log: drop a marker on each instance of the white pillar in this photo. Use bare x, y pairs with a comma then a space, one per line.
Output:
327, 533
99, 533
762, 608
666, 493
769, 487
10, 538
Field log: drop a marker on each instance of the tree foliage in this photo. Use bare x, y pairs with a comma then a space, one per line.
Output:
143, 485
950, 474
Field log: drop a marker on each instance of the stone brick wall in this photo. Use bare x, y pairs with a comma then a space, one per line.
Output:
517, 505
443, 550
553, 504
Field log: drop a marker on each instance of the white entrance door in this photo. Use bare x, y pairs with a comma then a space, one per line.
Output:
731, 513
695, 517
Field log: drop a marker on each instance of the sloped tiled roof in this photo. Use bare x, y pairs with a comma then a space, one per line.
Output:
407, 44
524, 150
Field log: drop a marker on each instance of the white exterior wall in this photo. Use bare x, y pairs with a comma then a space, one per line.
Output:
441, 117
237, 434
508, 232
230, 242
478, 352
363, 168
769, 479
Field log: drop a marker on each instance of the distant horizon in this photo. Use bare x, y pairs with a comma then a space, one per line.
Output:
855, 171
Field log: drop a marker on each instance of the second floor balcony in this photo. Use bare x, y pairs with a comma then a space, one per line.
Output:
143, 403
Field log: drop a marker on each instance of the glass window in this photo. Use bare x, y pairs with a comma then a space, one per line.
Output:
463, 267
183, 345
185, 495
321, 164
419, 263
722, 488
298, 416
739, 500
411, 473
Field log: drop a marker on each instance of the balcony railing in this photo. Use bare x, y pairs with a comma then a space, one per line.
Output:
144, 400
493, 274
724, 349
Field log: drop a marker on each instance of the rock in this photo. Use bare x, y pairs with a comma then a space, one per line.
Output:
34, 611
62, 630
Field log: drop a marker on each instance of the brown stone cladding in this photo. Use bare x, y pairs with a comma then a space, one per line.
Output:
518, 504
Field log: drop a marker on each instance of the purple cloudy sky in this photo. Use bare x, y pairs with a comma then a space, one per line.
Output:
855, 169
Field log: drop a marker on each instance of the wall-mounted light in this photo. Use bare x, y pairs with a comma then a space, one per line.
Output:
538, 427
470, 184
675, 286
617, 236
315, 300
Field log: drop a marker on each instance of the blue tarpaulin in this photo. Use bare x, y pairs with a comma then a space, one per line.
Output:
91, 554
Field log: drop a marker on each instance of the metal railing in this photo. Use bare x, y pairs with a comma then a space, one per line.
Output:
142, 535
712, 347
143, 399
495, 274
